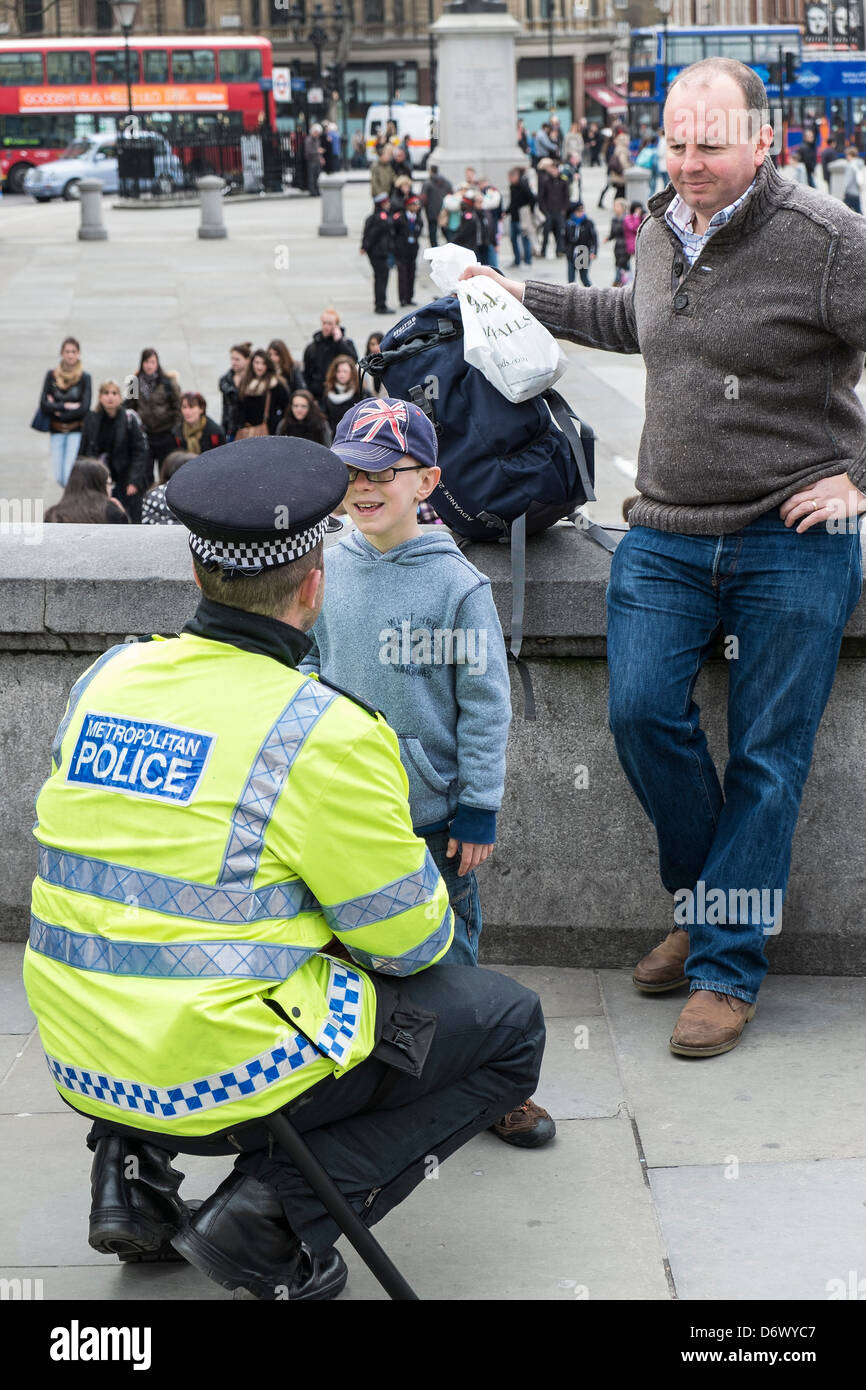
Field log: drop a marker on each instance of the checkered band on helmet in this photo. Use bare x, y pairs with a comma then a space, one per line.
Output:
256, 555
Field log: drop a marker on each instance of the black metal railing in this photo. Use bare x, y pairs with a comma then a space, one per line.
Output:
151, 166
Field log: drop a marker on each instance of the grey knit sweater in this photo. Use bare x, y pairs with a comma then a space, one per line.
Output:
752, 355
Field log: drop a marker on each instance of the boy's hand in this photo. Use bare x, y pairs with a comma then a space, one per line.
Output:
472, 855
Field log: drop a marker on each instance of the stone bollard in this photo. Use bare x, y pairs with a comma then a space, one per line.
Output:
212, 225
837, 173
91, 228
331, 189
637, 181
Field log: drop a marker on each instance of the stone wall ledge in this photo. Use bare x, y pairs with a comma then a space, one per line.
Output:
574, 879
79, 580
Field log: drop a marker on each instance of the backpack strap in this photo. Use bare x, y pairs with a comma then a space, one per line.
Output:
516, 537
518, 606
596, 533
563, 415
418, 396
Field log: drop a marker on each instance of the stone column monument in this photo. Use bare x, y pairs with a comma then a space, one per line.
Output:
477, 91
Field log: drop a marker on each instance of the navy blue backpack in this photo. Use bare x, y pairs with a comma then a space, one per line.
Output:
508, 471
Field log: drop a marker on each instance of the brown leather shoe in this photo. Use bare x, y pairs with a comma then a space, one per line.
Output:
710, 1023
662, 969
527, 1127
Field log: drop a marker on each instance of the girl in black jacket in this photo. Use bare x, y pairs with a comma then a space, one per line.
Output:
262, 398
116, 437
65, 400
304, 420
229, 384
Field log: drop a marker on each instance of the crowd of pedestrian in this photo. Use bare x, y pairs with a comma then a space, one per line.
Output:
541, 211
114, 454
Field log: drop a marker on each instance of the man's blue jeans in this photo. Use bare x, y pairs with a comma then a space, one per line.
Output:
785, 598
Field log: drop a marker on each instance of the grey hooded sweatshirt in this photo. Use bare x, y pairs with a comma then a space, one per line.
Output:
415, 632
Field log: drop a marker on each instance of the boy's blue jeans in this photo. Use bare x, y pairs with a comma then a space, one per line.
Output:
465, 902
573, 272
785, 598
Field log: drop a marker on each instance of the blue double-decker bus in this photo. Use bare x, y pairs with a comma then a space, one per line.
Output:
828, 87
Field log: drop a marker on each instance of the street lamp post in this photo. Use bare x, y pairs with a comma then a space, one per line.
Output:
549, 4
318, 35
431, 59
125, 12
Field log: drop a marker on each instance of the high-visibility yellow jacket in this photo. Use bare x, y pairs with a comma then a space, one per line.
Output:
213, 819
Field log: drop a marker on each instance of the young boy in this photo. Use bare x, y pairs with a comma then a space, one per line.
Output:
410, 625
406, 227
581, 243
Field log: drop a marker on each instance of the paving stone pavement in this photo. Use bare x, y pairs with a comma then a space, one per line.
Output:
738, 1177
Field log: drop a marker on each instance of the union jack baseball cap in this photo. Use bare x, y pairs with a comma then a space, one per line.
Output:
379, 432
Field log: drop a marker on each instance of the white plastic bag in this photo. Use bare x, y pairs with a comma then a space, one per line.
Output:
446, 264
508, 346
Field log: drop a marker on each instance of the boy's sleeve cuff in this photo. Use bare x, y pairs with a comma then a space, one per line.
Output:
473, 826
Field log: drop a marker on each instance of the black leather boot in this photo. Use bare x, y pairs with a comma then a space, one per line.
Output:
241, 1239
136, 1208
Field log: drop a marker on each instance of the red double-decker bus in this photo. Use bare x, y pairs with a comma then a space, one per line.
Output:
54, 90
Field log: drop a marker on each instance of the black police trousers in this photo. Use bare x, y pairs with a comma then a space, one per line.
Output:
379, 1130
380, 280
406, 275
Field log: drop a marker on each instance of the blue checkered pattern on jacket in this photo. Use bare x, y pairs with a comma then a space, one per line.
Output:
344, 1004
167, 1102
248, 1078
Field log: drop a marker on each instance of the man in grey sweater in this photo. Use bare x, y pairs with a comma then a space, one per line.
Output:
748, 307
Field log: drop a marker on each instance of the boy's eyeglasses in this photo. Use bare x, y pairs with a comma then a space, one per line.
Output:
384, 475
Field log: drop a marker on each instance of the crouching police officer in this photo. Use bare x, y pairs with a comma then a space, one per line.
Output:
222, 842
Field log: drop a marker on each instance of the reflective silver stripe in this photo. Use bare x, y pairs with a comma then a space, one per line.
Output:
184, 960
399, 896
165, 1102
177, 897
266, 780
411, 961
76, 693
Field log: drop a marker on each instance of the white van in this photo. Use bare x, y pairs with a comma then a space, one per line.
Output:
414, 121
